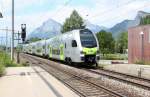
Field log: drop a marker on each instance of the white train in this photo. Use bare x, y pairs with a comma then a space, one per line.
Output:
79, 46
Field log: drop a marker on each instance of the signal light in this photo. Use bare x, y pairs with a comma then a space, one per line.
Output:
1, 16
23, 32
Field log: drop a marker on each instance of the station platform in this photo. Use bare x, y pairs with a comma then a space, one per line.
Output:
26, 82
132, 69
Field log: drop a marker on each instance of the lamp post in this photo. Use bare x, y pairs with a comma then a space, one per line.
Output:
1, 16
6, 38
142, 45
12, 41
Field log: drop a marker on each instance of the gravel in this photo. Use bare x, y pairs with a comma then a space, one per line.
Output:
125, 88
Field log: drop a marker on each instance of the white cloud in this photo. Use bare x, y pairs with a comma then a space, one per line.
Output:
119, 13
104, 12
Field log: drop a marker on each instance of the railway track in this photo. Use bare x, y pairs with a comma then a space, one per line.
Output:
82, 85
133, 80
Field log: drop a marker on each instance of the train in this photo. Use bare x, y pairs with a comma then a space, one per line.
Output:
76, 46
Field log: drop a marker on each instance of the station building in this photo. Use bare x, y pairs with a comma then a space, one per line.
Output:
139, 44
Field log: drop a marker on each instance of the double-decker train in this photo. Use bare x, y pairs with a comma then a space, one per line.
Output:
77, 46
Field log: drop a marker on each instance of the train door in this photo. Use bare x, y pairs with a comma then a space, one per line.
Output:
61, 52
50, 51
73, 50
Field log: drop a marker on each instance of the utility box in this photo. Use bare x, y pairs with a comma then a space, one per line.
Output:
139, 44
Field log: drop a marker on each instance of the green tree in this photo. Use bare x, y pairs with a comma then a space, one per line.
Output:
34, 39
75, 21
122, 42
145, 20
106, 42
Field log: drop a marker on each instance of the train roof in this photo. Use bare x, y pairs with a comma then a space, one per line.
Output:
50, 39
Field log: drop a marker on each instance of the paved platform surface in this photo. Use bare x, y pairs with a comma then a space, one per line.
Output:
132, 69
26, 82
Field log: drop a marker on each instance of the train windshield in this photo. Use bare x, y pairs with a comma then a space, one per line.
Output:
87, 39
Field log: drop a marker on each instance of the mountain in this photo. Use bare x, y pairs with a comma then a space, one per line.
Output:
52, 28
48, 29
124, 25
94, 28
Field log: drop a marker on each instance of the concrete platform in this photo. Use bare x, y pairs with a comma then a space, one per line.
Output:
132, 69
25, 82
110, 61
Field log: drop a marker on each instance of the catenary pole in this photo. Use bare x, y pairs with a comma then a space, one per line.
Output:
12, 41
6, 38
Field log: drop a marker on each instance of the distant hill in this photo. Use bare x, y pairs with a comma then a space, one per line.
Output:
51, 28
48, 29
94, 28
124, 25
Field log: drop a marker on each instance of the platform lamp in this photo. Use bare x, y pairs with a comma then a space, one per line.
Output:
142, 45
1, 16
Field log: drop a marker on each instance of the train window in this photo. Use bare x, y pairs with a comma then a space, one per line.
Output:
74, 43
87, 38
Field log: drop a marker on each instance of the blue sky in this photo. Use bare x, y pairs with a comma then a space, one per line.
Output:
101, 12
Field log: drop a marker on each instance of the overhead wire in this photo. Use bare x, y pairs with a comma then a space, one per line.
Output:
111, 9
116, 17
106, 11
68, 2
63, 6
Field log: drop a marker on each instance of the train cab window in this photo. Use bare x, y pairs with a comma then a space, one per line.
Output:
74, 43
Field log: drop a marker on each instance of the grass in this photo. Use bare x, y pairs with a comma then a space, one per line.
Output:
6, 62
2, 69
25, 64
140, 62
114, 57
101, 66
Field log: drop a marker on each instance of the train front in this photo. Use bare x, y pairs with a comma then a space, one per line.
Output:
90, 47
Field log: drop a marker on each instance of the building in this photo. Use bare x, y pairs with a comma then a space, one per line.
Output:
139, 44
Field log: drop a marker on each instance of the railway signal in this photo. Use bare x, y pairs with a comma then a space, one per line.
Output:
1, 16
23, 32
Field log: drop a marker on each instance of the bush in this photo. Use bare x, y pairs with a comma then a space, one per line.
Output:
142, 62
2, 68
5, 62
25, 64
114, 57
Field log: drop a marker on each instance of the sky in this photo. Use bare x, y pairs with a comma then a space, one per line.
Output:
100, 12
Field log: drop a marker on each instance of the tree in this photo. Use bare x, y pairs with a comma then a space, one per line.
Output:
122, 42
34, 39
106, 42
145, 20
75, 21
